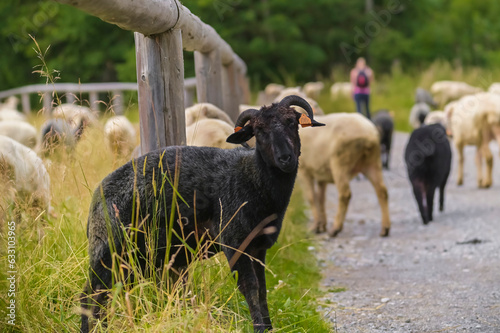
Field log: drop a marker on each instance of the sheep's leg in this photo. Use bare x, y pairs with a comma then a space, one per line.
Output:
385, 157
249, 286
441, 192
93, 301
320, 206
260, 271
386, 160
374, 175
418, 191
307, 182
430, 201
496, 133
388, 151
344, 192
488, 156
460, 171
479, 167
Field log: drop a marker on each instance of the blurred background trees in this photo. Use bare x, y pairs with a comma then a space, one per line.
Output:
281, 41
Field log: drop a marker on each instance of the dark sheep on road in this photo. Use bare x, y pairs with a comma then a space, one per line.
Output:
385, 126
428, 161
237, 197
424, 96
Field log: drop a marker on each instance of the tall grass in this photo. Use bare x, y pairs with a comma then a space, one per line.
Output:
52, 269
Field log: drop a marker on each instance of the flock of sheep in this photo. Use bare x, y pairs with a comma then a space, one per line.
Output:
238, 195
23, 148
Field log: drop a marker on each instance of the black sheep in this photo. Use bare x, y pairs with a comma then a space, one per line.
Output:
423, 96
385, 126
254, 185
428, 161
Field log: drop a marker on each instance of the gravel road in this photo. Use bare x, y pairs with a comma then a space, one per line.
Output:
443, 277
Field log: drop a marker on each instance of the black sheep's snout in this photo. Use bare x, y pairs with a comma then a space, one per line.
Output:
284, 159
286, 162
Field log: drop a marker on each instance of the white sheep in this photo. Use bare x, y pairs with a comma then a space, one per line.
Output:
24, 175
475, 120
75, 114
204, 111
298, 92
243, 107
58, 133
120, 135
447, 91
273, 89
418, 113
269, 94
20, 131
10, 103
341, 89
313, 89
347, 145
494, 88
210, 133
11, 114
436, 117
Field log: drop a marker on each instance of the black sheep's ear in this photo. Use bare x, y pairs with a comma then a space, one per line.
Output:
241, 135
305, 121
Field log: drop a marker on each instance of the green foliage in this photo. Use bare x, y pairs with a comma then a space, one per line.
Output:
279, 40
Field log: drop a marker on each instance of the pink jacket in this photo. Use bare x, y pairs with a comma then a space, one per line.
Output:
354, 75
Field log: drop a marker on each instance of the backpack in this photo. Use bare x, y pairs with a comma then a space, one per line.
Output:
362, 79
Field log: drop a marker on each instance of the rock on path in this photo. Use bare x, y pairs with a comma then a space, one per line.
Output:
443, 277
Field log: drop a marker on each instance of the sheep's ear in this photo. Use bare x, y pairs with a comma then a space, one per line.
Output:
241, 135
305, 121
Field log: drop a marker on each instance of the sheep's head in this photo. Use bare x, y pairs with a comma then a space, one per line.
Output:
276, 129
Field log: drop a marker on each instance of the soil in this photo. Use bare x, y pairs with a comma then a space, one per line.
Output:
440, 277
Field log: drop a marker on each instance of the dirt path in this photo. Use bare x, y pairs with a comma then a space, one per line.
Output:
421, 278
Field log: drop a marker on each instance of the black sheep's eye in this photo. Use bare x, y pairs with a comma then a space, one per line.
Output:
291, 123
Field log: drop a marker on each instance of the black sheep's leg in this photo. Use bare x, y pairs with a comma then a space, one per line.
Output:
430, 201
388, 150
248, 284
94, 298
417, 191
441, 192
260, 270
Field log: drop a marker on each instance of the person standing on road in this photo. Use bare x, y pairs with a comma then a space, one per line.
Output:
361, 77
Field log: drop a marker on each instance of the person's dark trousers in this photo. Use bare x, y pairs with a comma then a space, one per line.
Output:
363, 102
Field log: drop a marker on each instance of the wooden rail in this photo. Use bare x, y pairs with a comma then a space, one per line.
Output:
163, 28
72, 89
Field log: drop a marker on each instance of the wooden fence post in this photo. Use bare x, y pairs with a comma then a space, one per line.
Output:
47, 103
25, 101
160, 79
208, 68
188, 97
230, 91
70, 97
244, 88
93, 100
117, 101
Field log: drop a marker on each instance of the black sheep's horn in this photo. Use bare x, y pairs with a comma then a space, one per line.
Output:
299, 101
243, 118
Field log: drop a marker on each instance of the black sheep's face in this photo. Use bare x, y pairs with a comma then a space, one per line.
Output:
277, 136
276, 130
